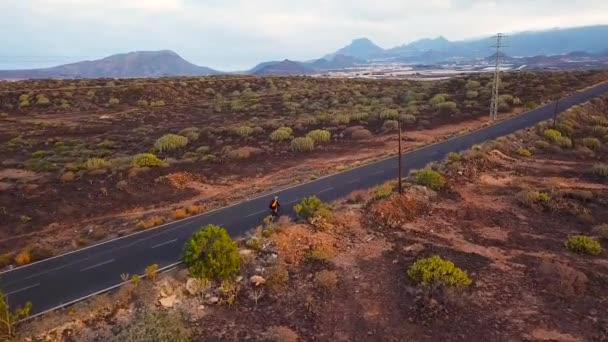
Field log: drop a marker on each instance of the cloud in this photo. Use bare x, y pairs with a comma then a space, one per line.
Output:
236, 34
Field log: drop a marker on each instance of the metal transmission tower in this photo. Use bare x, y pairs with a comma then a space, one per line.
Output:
496, 84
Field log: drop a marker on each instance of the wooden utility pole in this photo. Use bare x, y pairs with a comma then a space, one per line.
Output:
555, 113
400, 163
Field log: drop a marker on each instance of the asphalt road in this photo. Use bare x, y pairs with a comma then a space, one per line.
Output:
71, 277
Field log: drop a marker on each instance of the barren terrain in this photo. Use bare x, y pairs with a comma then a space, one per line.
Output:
70, 174
504, 212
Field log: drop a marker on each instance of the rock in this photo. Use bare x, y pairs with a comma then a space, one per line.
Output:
193, 286
213, 300
414, 249
105, 117
257, 280
168, 302
239, 279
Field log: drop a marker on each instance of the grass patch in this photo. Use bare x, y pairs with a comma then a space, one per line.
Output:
582, 244
437, 271
429, 178
169, 142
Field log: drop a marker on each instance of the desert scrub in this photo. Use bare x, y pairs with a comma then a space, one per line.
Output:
429, 178
437, 271
582, 244
113, 101
319, 135
390, 125
244, 131
564, 142
192, 133
600, 170
280, 134
147, 160
155, 326
552, 134
312, 206
524, 152
96, 163
211, 254
531, 198
454, 157
302, 144
150, 222
170, 142
592, 143
383, 191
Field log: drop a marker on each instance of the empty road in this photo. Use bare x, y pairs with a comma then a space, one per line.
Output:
70, 277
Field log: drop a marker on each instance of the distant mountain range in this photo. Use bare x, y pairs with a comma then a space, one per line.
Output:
125, 65
591, 39
583, 41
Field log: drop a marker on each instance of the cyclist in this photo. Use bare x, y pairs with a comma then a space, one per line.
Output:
274, 207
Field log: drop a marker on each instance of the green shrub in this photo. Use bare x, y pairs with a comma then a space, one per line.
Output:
552, 135
359, 116
243, 131
408, 119
280, 134
383, 191
343, 119
107, 144
211, 254
40, 154
113, 101
471, 94
447, 107
319, 135
429, 178
147, 160
9, 317
42, 100
437, 99
599, 131
454, 157
601, 230
437, 271
310, 207
142, 103
192, 133
96, 163
543, 197
159, 103
302, 144
582, 244
524, 152
472, 85
600, 170
503, 107
390, 114
592, 143
170, 142
531, 105
155, 326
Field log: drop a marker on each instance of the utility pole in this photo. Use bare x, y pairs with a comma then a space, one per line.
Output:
555, 113
400, 163
496, 84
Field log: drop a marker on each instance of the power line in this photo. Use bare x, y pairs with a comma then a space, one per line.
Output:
496, 84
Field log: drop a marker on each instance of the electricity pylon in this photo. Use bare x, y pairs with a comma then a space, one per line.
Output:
496, 84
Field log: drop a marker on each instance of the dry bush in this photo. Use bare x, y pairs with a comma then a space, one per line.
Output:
277, 277
244, 152
357, 196
395, 211
319, 135
327, 280
194, 209
96, 163
23, 258
68, 176
282, 133
169, 142
150, 222
179, 214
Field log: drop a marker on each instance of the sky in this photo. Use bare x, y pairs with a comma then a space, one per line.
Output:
237, 34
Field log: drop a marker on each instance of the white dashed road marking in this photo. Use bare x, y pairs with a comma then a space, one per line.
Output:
100, 264
164, 243
23, 289
326, 190
256, 213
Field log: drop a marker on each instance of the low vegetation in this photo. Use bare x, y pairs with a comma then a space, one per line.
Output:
9, 317
583, 244
437, 271
312, 206
429, 178
211, 254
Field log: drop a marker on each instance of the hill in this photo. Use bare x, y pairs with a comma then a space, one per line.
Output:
337, 62
125, 65
285, 67
361, 48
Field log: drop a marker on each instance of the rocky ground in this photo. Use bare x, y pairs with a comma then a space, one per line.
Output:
503, 216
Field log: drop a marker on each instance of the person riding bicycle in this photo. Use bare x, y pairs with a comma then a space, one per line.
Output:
274, 206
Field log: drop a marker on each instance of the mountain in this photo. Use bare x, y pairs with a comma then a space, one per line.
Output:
559, 41
285, 68
361, 48
337, 62
125, 65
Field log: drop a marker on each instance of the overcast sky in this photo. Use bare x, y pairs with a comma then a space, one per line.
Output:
237, 34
